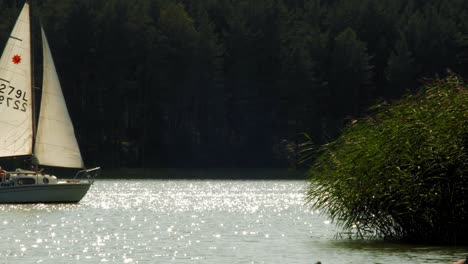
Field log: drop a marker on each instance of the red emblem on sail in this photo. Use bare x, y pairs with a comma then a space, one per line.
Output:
16, 59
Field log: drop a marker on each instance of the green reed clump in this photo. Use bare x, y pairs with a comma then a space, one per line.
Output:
402, 173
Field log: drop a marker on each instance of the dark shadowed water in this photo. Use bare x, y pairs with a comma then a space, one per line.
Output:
198, 221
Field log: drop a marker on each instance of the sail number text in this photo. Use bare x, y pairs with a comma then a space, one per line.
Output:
12, 97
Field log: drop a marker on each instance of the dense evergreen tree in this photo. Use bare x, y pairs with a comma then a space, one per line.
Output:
232, 83
401, 70
350, 74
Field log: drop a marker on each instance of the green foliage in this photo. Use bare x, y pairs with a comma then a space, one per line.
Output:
400, 71
402, 173
350, 73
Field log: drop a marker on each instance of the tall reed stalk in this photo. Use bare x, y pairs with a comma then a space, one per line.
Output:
403, 172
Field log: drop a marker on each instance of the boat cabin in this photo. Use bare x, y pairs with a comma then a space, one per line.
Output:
23, 177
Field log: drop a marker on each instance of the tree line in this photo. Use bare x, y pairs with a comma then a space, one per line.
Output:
178, 83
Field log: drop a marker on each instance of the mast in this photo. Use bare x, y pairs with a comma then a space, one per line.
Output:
33, 91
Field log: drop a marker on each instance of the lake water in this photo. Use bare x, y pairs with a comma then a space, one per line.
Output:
184, 221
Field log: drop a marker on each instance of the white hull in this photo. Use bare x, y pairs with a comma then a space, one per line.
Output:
41, 193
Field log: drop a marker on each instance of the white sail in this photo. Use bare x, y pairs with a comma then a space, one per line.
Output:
56, 143
16, 113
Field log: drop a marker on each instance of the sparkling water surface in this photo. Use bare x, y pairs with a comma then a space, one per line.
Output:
191, 221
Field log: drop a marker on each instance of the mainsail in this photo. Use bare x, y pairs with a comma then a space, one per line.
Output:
56, 143
16, 115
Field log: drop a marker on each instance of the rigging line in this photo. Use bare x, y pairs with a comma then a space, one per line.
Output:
68, 123
60, 147
16, 38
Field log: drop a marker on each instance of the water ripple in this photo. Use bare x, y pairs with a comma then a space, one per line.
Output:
159, 221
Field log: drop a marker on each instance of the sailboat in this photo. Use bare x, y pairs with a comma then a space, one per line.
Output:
53, 143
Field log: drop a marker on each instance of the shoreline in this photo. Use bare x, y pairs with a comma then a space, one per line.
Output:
208, 174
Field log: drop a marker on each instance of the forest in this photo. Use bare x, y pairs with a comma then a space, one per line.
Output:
235, 83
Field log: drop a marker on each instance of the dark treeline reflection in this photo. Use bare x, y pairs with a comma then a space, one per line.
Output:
231, 82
